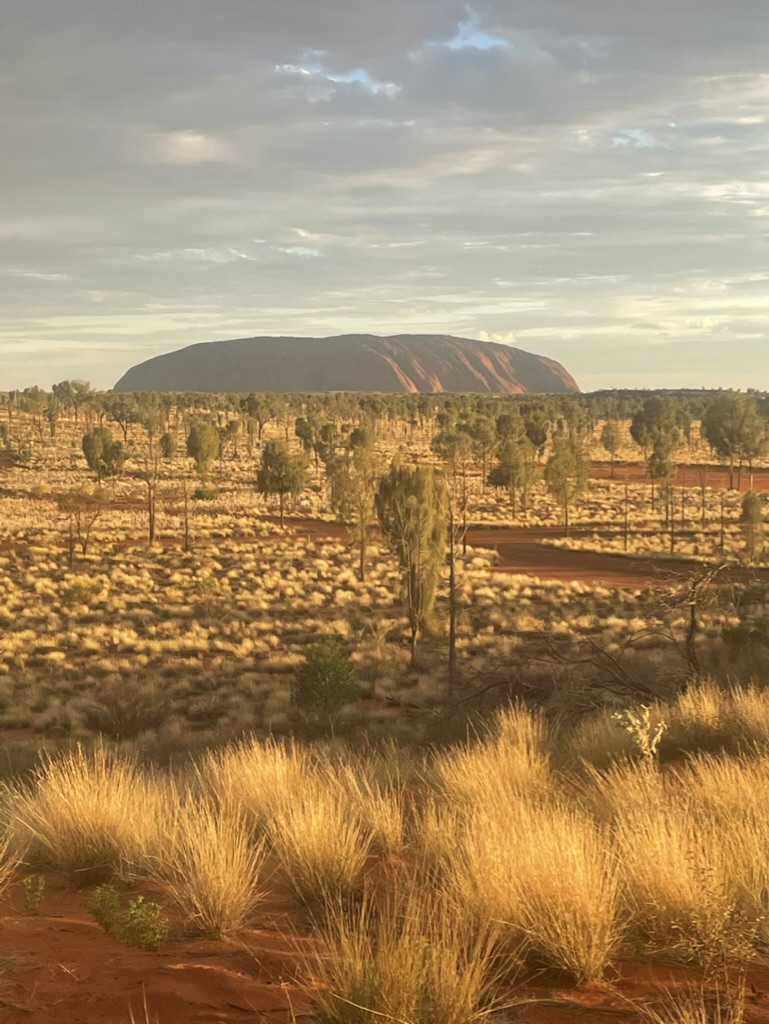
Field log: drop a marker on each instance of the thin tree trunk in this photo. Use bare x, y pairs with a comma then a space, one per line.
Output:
452, 605
151, 511
362, 561
566, 517
186, 514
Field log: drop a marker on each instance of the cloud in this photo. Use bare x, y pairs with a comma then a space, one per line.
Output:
587, 179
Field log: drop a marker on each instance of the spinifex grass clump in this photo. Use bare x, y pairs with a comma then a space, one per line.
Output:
322, 846
512, 761
410, 958
515, 853
694, 871
8, 865
209, 864
698, 1006
258, 776
549, 879
87, 814
377, 804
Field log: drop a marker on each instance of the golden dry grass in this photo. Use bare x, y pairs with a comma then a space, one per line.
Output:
548, 880
321, 845
8, 865
260, 776
87, 814
378, 806
209, 864
510, 763
566, 870
698, 1006
409, 958
694, 887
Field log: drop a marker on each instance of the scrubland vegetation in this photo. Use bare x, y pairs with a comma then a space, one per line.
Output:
438, 883
234, 662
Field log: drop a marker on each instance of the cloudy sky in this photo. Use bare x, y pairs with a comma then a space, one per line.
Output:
585, 179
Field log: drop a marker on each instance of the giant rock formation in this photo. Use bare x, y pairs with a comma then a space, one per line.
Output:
426, 363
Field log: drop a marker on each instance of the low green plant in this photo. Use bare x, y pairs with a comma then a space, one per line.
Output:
104, 904
81, 591
207, 585
143, 925
645, 733
326, 679
34, 888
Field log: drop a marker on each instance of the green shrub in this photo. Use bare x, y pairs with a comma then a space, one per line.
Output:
143, 925
326, 679
34, 887
104, 904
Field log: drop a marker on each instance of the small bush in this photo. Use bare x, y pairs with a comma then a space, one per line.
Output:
125, 709
646, 734
327, 679
103, 904
204, 493
143, 925
34, 888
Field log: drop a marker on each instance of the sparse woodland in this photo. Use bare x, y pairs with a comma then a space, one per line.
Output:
260, 648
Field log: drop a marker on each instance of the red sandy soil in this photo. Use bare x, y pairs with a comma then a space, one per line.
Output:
59, 966
521, 551
695, 475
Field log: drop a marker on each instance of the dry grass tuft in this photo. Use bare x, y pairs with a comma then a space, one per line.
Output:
548, 879
709, 717
260, 776
409, 959
209, 864
695, 887
321, 845
511, 763
699, 1006
8, 865
378, 806
87, 814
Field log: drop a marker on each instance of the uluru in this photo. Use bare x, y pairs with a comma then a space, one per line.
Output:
421, 363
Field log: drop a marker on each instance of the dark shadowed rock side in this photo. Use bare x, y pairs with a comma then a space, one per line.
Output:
350, 362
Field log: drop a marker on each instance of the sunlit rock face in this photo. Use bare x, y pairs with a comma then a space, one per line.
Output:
426, 363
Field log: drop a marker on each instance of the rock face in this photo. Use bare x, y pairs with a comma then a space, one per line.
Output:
350, 362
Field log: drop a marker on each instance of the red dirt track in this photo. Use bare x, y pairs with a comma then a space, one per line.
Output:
687, 476
521, 551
